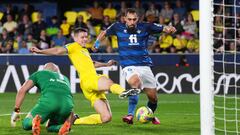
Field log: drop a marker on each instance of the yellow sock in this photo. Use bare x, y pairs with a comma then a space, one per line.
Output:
116, 89
91, 119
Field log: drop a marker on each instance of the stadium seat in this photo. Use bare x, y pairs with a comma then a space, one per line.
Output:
112, 13
166, 42
97, 29
114, 42
1, 15
71, 17
85, 15
34, 17
195, 14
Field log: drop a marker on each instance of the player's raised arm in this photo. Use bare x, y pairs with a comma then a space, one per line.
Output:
109, 31
100, 37
50, 51
109, 63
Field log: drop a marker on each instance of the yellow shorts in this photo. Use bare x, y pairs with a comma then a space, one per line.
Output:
90, 89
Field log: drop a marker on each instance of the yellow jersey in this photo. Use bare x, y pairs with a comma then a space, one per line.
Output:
81, 60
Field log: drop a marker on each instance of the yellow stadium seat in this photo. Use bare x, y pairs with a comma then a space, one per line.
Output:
166, 41
195, 14
85, 15
114, 42
34, 17
1, 15
97, 29
112, 13
71, 17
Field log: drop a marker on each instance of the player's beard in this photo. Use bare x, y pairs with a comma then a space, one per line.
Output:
132, 29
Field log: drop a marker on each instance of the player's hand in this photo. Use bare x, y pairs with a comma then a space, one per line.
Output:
34, 50
15, 117
96, 44
169, 29
111, 63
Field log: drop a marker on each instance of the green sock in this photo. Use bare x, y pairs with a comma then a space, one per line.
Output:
27, 123
54, 128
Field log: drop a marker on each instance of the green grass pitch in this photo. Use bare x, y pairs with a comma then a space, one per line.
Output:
179, 115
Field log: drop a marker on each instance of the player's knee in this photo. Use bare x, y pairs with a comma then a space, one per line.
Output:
106, 118
135, 83
26, 124
109, 82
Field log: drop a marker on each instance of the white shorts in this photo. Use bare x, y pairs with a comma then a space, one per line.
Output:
145, 74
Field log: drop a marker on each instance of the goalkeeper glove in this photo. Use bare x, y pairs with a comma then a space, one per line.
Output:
96, 44
15, 116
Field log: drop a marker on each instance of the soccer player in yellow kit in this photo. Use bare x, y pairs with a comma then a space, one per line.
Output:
92, 84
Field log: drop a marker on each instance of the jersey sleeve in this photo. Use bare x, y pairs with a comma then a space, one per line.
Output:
69, 48
155, 28
33, 77
111, 30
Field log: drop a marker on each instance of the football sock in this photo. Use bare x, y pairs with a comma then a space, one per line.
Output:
152, 106
54, 128
116, 89
132, 103
27, 123
91, 119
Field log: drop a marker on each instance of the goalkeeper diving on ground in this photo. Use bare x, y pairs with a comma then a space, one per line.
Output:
54, 105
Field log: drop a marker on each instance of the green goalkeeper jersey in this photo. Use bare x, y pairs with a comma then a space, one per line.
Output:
49, 82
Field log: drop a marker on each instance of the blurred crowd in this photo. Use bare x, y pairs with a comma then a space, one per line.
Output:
22, 29
226, 26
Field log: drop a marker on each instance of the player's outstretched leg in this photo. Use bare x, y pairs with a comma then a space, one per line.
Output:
129, 92
65, 129
105, 83
36, 125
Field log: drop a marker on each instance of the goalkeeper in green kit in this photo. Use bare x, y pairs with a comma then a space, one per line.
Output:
54, 105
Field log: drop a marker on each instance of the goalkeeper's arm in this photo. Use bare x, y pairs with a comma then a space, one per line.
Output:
22, 92
19, 99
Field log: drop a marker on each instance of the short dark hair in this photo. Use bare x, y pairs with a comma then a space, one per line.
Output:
78, 30
131, 11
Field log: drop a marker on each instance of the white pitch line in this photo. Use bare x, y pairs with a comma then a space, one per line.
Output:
9, 114
83, 112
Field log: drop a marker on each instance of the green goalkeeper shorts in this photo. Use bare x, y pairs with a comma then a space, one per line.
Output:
54, 108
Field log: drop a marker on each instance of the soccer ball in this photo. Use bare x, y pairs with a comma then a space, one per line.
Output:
144, 114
